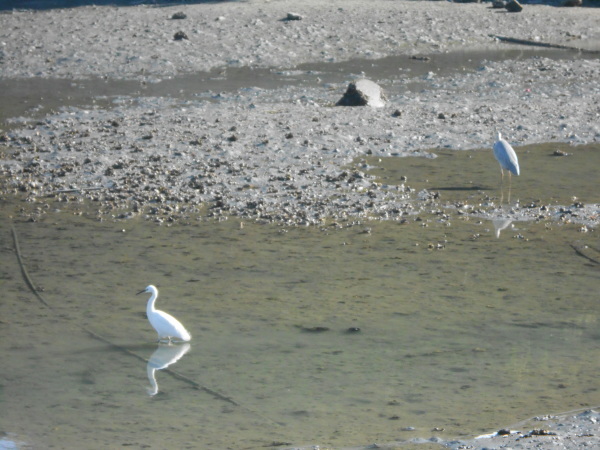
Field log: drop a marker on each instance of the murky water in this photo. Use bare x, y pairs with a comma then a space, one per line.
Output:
478, 333
377, 333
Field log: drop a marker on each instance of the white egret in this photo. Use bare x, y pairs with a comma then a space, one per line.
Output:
165, 324
508, 160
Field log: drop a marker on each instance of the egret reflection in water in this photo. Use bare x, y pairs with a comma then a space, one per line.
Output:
501, 224
163, 357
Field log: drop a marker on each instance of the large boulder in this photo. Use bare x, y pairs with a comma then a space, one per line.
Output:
362, 93
514, 6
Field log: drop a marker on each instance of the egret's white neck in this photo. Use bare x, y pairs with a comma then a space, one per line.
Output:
150, 307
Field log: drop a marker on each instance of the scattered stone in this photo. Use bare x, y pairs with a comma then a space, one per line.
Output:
179, 16
499, 4
572, 3
540, 433
397, 113
314, 329
180, 35
362, 93
514, 6
293, 16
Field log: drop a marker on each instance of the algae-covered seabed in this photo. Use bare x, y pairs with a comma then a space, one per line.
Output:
460, 331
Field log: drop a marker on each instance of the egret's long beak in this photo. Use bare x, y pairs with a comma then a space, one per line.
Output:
141, 292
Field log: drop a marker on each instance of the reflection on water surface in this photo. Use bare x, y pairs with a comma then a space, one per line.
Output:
459, 330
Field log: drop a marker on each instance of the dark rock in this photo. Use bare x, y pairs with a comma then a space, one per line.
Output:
572, 3
514, 6
293, 16
499, 4
179, 16
314, 329
180, 35
362, 93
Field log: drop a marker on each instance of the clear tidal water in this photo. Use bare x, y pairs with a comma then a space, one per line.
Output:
480, 333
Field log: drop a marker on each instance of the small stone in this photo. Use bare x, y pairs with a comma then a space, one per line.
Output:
179, 16
293, 16
180, 35
499, 4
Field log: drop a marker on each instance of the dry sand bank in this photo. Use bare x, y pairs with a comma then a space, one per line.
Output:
137, 41
279, 154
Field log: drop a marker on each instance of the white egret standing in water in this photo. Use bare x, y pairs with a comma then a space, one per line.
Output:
167, 326
507, 158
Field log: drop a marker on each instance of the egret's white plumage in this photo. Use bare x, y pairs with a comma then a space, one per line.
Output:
167, 326
506, 156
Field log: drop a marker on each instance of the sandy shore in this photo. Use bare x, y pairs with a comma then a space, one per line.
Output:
281, 155
137, 42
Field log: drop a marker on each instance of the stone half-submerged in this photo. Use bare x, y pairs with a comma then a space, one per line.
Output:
363, 93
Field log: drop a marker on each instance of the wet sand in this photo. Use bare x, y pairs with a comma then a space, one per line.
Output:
284, 154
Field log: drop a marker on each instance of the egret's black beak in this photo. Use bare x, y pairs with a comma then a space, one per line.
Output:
141, 292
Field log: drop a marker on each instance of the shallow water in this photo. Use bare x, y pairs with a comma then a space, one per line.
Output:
37, 96
474, 176
460, 332
478, 333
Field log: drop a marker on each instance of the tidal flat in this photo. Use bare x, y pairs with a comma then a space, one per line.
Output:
350, 276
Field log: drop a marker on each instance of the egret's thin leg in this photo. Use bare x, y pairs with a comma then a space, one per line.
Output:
509, 185
501, 185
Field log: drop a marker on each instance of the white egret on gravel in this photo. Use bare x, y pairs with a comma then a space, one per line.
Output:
507, 158
167, 326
